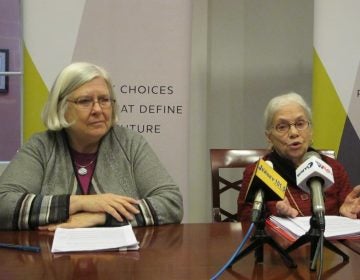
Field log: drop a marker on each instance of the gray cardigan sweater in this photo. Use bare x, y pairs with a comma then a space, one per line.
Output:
36, 185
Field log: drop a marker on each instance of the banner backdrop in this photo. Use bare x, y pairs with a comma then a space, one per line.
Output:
144, 44
336, 95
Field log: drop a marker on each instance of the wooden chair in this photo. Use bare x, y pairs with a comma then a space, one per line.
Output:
233, 158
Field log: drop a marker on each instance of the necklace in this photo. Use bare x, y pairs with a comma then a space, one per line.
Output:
82, 169
294, 202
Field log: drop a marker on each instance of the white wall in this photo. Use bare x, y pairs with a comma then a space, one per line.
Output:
199, 188
244, 53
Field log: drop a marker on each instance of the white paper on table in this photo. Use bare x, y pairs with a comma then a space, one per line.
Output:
336, 227
94, 239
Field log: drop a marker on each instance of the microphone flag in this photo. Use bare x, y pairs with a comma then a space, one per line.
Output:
267, 179
313, 167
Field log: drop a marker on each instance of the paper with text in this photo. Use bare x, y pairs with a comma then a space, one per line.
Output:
336, 227
94, 239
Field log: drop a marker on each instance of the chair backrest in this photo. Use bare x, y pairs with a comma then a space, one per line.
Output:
233, 158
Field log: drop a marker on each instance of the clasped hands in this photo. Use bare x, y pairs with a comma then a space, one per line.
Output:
90, 210
350, 207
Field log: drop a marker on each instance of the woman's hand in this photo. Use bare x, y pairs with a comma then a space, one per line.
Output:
284, 208
351, 206
78, 220
113, 204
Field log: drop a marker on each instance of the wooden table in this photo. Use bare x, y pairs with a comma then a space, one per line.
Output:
186, 251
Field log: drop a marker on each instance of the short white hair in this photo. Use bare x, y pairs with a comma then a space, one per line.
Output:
71, 78
278, 102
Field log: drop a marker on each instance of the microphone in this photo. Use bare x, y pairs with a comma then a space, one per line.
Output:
265, 184
257, 206
313, 176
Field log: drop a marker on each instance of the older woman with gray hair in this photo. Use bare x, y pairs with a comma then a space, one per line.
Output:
288, 130
85, 170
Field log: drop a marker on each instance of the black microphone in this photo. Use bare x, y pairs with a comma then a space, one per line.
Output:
265, 184
313, 176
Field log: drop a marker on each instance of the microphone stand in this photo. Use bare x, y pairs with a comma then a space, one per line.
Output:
313, 236
259, 238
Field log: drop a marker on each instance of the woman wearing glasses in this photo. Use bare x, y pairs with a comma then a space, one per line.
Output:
289, 132
85, 170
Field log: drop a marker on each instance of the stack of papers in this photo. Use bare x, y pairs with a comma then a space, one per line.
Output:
336, 227
94, 239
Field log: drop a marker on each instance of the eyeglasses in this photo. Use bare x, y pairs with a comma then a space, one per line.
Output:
285, 127
87, 102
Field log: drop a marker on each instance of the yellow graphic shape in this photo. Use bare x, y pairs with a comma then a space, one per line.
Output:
35, 95
329, 115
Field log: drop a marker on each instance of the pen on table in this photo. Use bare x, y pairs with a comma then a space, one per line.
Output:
20, 247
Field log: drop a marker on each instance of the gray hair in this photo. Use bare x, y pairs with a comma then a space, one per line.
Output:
279, 101
71, 78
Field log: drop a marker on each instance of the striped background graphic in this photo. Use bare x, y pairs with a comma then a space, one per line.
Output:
336, 87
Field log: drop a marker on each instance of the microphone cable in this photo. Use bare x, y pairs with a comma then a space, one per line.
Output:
237, 252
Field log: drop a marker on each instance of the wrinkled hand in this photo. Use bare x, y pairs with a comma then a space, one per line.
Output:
78, 220
284, 208
351, 206
115, 205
